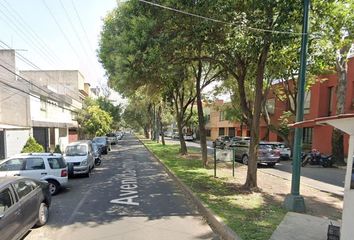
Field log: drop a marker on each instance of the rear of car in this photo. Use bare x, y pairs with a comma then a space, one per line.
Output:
24, 203
112, 138
268, 154
40, 166
102, 142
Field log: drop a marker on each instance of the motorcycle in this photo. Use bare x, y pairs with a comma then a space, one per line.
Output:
314, 157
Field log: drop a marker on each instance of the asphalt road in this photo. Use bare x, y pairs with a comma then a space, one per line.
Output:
128, 197
333, 176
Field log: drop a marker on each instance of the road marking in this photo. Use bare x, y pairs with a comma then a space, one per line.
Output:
128, 188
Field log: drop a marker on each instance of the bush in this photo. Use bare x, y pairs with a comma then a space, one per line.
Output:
32, 146
57, 149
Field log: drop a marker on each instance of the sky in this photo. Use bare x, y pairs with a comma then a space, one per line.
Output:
56, 34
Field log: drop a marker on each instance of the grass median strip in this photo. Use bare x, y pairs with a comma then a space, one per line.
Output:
252, 215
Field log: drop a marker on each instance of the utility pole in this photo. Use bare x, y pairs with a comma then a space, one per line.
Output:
294, 201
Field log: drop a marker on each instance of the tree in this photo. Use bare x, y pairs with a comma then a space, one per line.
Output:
114, 111
32, 146
337, 27
94, 121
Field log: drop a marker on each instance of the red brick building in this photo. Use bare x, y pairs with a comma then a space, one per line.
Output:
320, 101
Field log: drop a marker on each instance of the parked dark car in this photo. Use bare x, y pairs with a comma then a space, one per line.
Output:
221, 142
103, 143
24, 203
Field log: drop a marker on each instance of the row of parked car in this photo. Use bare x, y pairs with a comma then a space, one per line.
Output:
269, 153
28, 180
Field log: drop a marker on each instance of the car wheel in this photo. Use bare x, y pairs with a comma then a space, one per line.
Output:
53, 187
43, 214
270, 164
245, 159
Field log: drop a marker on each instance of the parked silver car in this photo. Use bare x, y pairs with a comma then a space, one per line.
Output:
24, 203
267, 153
80, 158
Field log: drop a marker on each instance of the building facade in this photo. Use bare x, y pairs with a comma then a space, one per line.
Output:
42, 104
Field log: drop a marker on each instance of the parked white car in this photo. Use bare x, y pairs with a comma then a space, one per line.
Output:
50, 167
80, 158
285, 152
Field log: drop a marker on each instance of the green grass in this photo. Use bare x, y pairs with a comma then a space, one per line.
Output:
252, 216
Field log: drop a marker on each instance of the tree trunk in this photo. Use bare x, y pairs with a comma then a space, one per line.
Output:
202, 131
183, 149
251, 180
146, 133
337, 135
161, 125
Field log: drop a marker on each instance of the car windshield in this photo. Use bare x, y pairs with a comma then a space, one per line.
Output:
101, 140
76, 150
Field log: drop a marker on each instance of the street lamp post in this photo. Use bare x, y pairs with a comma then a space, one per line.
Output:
294, 201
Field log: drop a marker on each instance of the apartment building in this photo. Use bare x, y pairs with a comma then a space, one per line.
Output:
320, 101
217, 124
42, 104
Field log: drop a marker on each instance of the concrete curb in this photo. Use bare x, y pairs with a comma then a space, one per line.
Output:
214, 221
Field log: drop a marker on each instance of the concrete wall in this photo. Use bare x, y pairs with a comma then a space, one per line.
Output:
14, 103
15, 140
65, 82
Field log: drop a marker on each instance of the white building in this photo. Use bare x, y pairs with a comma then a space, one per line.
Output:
42, 104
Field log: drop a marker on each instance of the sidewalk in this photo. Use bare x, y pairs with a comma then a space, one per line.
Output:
296, 226
325, 187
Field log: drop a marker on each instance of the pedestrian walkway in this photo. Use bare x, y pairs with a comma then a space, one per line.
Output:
296, 226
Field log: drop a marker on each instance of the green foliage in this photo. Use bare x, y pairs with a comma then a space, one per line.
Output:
32, 146
114, 111
94, 121
57, 149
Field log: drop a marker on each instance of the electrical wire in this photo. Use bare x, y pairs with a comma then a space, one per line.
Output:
30, 63
32, 95
30, 30
219, 21
82, 25
24, 36
61, 30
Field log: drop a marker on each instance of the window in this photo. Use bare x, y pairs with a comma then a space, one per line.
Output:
307, 135
330, 100
207, 118
23, 188
35, 164
221, 131
16, 164
208, 132
232, 132
307, 102
56, 163
270, 104
221, 116
6, 200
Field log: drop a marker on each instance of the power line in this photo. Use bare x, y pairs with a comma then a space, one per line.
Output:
74, 29
82, 26
219, 21
61, 30
31, 31
30, 63
25, 37
32, 95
